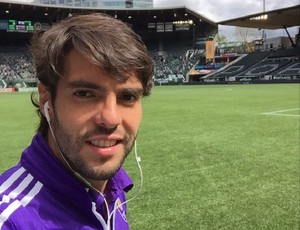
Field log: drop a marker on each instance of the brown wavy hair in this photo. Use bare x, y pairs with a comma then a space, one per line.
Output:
104, 41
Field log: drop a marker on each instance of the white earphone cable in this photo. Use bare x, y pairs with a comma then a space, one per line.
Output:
81, 178
138, 161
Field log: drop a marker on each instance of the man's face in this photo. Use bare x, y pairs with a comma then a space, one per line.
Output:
95, 118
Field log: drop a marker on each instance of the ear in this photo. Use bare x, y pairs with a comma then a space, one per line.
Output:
44, 96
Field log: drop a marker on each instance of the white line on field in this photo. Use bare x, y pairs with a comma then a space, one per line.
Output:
283, 113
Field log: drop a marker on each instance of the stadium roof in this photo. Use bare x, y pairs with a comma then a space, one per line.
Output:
38, 12
275, 19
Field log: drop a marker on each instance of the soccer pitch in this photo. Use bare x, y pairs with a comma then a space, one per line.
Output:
213, 157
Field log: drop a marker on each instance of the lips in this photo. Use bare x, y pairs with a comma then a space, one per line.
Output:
103, 143
105, 146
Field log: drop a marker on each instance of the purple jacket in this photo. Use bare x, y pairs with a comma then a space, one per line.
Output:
39, 193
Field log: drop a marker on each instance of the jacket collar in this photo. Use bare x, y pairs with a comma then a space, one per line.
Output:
40, 161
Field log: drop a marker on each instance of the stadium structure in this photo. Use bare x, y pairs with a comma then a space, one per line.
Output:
99, 3
273, 60
180, 40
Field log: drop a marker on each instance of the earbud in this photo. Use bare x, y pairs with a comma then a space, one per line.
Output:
137, 158
46, 111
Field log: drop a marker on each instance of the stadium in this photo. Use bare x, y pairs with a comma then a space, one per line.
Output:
219, 139
181, 42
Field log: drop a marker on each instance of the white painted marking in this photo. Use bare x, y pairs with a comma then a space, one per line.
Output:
283, 113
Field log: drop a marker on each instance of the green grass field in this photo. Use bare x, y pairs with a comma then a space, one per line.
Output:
213, 157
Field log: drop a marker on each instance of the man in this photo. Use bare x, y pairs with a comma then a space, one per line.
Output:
93, 71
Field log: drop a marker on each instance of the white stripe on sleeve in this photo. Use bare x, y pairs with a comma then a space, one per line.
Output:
17, 203
11, 179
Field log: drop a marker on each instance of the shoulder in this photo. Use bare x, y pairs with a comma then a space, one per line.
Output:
18, 188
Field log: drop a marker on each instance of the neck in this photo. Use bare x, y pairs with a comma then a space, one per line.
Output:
98, 185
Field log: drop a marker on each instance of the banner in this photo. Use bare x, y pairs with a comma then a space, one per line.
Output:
210, 50
7, 90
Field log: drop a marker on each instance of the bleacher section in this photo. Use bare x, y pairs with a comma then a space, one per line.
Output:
241, 65
293, 69
171, 67
267, 65
15, 63
263, 68
16, 69
285, 53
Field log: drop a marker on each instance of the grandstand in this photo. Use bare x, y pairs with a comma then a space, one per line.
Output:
168, 33
282, 64
268, 63
176, 39
243, 64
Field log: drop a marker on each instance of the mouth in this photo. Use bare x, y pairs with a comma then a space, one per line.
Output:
104, 143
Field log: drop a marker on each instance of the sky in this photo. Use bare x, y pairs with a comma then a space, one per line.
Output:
220, 10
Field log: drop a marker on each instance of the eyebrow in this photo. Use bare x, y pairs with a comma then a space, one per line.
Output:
84, 84
90, 85
136, 91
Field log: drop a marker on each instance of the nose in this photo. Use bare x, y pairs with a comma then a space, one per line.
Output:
108, 113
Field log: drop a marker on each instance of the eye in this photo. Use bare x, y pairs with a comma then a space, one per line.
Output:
129, 98
83, 94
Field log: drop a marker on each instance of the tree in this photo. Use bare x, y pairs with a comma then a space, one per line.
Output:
220, 38
246, 34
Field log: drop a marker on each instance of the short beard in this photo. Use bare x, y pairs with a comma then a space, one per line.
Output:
69, 148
